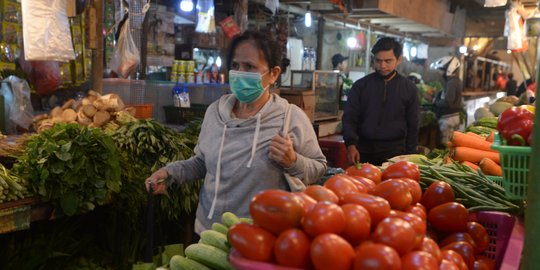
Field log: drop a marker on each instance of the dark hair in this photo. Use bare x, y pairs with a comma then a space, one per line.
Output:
510, 75
386, 44
264, 43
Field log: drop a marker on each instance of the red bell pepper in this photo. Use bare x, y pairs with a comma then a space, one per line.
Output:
515, 125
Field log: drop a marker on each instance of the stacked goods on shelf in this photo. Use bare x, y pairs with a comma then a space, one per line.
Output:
11, 33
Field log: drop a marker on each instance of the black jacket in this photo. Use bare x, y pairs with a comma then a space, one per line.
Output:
382, 113
449, 100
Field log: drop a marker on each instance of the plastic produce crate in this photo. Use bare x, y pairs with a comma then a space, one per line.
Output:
499, 226
179, 116
515, 162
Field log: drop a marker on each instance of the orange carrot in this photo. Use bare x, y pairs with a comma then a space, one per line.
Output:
470, 164
491, 137
462, 139
475, 135
463, 153
449, 144
489, 167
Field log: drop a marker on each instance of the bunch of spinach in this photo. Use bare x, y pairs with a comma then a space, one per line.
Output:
150, 143
73, 166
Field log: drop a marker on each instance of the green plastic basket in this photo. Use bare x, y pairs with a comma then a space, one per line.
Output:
515, 162
495, 179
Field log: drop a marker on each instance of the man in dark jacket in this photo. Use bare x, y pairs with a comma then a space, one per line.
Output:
381, 116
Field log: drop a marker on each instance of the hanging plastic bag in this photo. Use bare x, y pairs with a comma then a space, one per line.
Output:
206, 23
45, 76
272, 5
46, 32
126, 56
19, 111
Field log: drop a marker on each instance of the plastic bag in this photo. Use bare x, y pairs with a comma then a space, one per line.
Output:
126, 56
272, 5
206, 20
45, 76
19, 109
46, 30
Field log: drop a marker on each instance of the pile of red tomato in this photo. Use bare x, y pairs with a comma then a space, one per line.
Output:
364, 219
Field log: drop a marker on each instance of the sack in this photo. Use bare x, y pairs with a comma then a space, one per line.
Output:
295, 183
19, 109
126, 56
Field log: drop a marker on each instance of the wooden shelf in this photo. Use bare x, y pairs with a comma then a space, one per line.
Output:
17, 215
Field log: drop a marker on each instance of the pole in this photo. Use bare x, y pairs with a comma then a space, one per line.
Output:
97, 54
368, 48
530, 259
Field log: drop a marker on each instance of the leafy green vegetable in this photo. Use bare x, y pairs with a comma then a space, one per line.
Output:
72, 166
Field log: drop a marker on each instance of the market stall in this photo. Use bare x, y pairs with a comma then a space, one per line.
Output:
122, 90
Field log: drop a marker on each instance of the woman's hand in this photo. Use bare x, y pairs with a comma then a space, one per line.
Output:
156, 182
282, 151
352, 154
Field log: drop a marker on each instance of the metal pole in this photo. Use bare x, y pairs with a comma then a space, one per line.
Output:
530, 259
368, 49
97, 54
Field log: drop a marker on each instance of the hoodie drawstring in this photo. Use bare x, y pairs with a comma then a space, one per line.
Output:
255, 139
218, 174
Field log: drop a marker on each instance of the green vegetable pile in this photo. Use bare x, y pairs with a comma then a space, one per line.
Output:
71, 165
472, 188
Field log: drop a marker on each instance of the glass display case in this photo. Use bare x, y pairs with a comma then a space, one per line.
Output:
325, 85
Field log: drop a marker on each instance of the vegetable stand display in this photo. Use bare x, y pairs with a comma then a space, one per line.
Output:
505, 243
515, 162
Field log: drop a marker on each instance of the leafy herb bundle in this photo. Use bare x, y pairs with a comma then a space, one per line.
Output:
73, 166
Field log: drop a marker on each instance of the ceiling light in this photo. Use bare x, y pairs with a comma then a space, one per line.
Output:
218, 62
307, 18
509, 51
186, 5
351, 42
475, 47
462, 49
494, 3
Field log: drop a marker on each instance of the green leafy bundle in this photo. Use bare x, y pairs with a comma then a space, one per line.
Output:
153, 145
73, 166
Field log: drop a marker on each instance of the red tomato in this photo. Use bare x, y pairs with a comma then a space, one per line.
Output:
320, 193
307, 201
324, 217
396, 233
373, 256
437, 193
377, 207
276, 210
330, 251
479, 235
396, 192
464, 249
416, 222
414, 189
358, 223
252, 241
341, 185
367, 183
417, 210
419, 260
459, 236
365, 170
402, 169
455, 258
431, 247
448, 265
449, 217
431, 234
293, 241
484, 263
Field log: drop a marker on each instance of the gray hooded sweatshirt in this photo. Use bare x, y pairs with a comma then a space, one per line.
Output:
232, 156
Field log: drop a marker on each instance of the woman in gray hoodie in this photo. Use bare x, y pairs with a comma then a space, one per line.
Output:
250, 140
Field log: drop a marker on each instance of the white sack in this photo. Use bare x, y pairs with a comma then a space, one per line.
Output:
46, 32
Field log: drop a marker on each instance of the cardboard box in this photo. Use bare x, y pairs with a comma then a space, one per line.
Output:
303, 99
327, 128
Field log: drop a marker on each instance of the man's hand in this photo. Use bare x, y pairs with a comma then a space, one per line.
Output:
282, 151
353, 156
156, 182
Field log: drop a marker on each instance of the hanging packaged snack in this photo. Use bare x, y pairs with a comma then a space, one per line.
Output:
206, 20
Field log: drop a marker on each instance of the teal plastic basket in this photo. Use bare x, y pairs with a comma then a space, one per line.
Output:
515, 162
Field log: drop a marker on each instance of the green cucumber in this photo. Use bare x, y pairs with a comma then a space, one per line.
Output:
210, 256
228, 219
215, 239
182, 263
246, 220
218, 227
